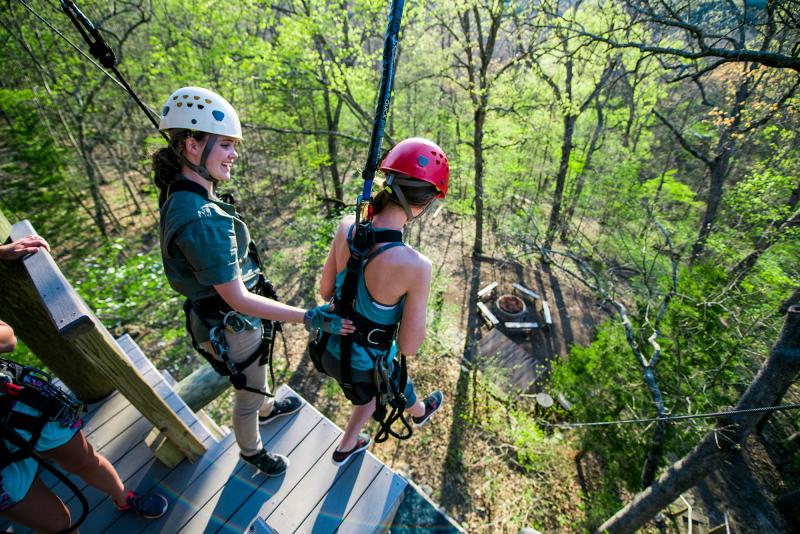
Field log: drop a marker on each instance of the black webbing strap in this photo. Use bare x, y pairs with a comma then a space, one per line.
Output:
229, 368
397, 402
360, 244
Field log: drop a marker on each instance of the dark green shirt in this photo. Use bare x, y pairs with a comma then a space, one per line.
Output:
204, 243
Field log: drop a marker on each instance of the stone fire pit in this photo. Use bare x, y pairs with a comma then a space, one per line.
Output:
510, 307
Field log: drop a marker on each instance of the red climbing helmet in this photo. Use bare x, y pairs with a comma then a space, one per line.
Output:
419, 158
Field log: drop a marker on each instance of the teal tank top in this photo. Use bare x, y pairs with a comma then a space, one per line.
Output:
372, 310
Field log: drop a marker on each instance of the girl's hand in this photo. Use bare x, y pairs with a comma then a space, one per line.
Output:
323, 318
22, 247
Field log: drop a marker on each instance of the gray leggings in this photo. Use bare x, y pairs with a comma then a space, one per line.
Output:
247, 406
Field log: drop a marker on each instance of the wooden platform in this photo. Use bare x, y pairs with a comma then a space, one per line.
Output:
220, 493
514, 368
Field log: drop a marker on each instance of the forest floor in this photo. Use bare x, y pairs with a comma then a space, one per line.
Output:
470, 457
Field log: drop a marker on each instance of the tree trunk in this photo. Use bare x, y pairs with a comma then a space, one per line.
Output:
719, 168
332, 121
563, 167
477, 147
580, 180
776, 375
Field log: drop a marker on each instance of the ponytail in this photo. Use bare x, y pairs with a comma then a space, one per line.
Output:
419, 197
166, 162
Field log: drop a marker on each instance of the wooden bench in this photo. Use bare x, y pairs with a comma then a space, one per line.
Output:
525, 291
486, 291
548, 319
525, 328
487, 315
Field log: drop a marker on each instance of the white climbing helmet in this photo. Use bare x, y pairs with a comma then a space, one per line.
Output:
195, 108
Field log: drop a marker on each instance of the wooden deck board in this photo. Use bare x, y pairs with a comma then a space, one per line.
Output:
497, 353
318, 444
373, 512
246, 481
220, 493
351, 482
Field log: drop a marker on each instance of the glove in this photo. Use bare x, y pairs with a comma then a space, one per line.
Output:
323, 318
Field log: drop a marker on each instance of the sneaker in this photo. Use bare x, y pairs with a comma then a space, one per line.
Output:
272, 465
282, 407
341, 457
432, 404
147, 505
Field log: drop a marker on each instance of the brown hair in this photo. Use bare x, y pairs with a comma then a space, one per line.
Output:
418, 197
165, 162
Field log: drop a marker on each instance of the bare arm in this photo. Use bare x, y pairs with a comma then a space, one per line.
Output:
412, 327
327, 284
236, 295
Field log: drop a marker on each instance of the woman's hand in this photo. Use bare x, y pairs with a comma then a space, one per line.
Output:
22, 247
323, 318
7, 339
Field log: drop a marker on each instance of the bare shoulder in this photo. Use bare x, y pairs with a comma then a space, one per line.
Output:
345, 224
416, 264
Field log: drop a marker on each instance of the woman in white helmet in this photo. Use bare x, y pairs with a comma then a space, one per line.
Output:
208, 257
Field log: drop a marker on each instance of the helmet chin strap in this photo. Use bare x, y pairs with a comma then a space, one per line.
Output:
394, 179
201, 168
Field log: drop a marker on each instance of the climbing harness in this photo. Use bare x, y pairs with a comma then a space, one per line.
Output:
388, 378
34, 388
215, 307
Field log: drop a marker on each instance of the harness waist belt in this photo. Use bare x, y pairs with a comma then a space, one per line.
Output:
374, 335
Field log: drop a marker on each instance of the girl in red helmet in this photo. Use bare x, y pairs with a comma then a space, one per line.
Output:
393, 286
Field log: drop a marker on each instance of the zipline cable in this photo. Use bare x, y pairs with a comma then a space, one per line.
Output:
778, 408
98, 48
73, 45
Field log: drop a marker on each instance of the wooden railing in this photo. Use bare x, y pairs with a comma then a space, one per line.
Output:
57, 325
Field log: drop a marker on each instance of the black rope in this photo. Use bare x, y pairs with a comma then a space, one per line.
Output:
778, 408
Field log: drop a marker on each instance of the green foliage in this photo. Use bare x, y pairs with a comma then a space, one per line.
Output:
34, 178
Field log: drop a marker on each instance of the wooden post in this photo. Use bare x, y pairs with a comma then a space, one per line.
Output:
201, 387
22, 307
94, 355
767, 389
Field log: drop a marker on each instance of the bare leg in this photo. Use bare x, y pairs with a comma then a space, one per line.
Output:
358, 419
78, 457
40, 510
417, 409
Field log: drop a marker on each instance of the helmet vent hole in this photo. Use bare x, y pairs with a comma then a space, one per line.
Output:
196, 97
175, 97
208, 100
438, 162
200, 106
185, 96
180, 104
189, 104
